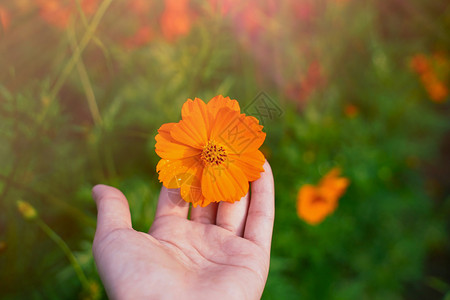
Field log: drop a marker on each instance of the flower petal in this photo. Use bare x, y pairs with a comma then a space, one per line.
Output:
333, 184
225, 182
187, 108
313, 206
168, 148
250, 163
237, 132
194, 128
218, 102
191, 190
174, 173
252, 124
196, 106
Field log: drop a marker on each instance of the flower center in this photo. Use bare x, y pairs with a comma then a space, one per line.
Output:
318, 199
213, 154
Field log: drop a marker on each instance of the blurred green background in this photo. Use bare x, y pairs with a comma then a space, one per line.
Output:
356, 84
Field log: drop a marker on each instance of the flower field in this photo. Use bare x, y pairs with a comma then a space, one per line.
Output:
353, 97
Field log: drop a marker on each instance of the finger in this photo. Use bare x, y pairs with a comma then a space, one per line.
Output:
170, 203
113, 209
205, 215
231, 216
261, 212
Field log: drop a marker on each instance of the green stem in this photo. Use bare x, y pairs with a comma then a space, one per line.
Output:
85, 82
83, 43
438, 284
72, 259
95, 39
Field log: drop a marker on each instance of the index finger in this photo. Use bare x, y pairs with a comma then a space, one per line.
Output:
261, 212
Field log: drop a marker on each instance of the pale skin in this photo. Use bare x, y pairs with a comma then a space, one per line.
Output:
222, 252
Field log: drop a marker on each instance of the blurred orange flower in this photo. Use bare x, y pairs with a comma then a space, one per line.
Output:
142, 32
437, 91
428, 68
54, 12
5, 19
59, 12
420, 64
212, 153
176, 19
351, 110
89, 7
314, 203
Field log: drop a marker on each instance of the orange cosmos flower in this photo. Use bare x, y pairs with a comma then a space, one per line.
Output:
314, 203
212, 153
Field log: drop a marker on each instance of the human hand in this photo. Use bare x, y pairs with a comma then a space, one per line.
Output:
223, 252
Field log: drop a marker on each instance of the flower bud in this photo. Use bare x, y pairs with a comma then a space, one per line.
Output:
26, 210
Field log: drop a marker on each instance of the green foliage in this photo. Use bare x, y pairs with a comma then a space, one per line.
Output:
65, 128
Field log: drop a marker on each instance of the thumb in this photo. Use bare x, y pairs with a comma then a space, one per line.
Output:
113, 209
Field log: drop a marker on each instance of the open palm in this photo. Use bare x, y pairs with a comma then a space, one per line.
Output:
222, 252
